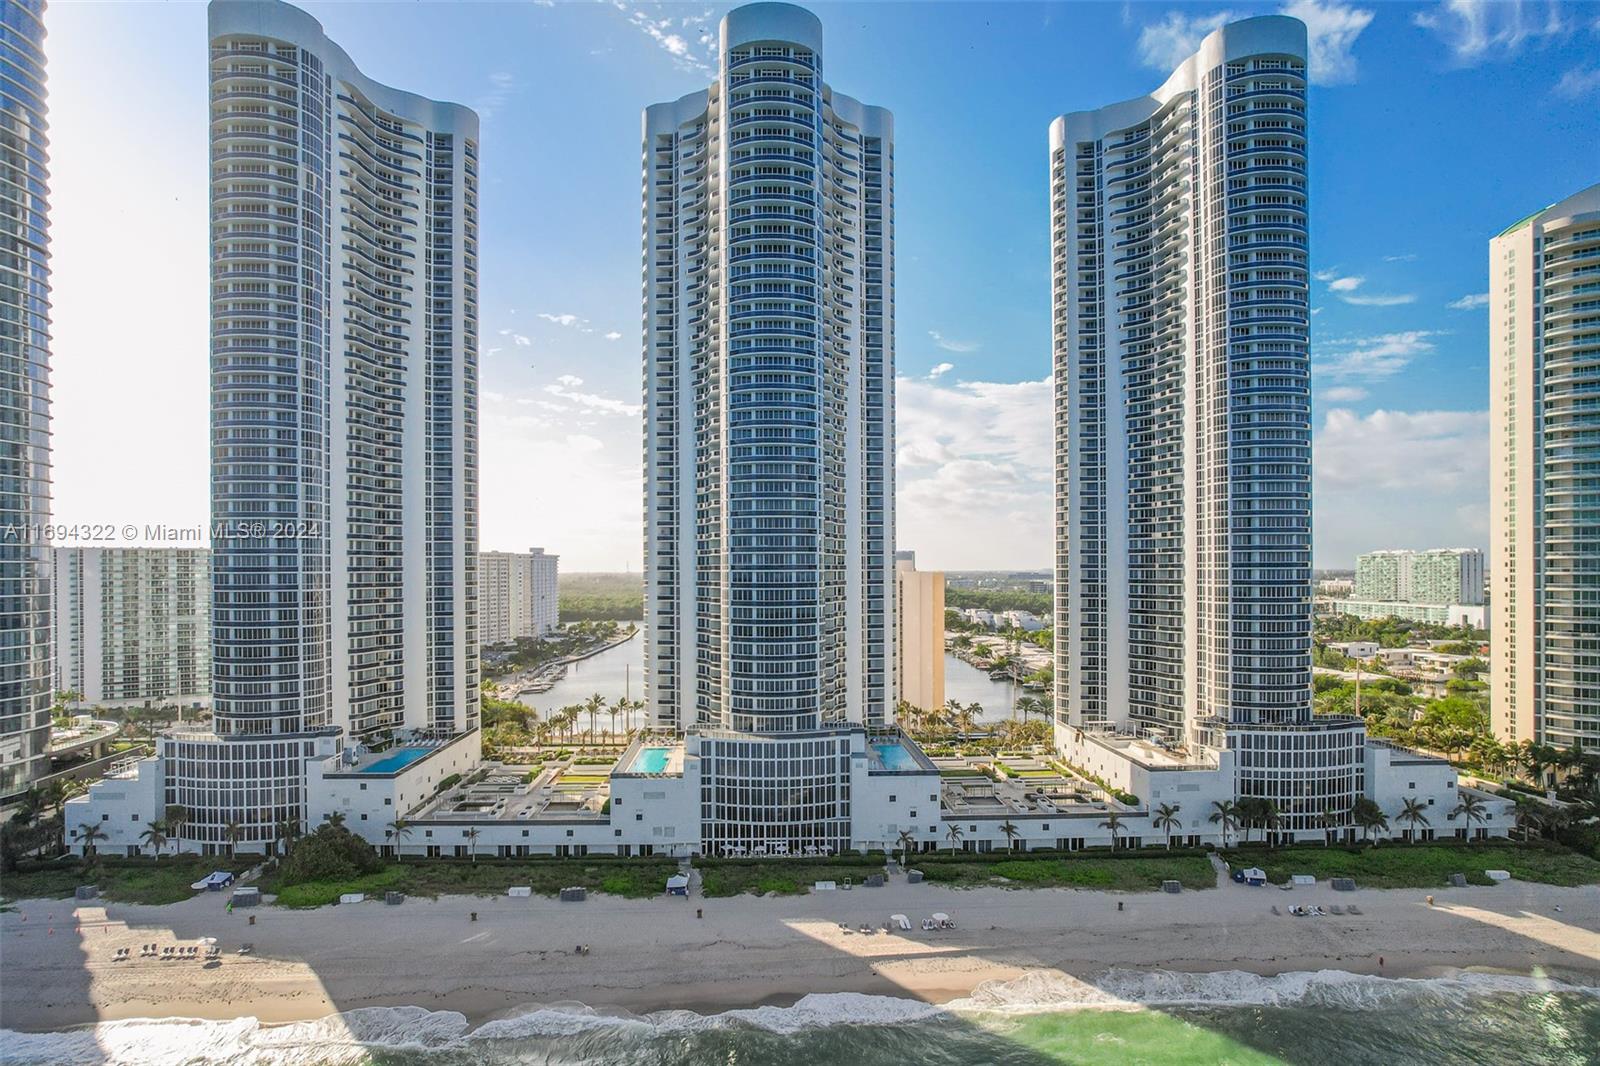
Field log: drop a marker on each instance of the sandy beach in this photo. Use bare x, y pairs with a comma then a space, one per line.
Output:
656, 954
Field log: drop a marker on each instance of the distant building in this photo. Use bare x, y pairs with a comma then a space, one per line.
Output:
518, 595
1436, 576
920, 610
133, 626
1356, 649
1437, 614
978, 616
1335, 587
1024, 620
1544, 450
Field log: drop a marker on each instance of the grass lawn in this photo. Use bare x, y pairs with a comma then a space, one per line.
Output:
1143, 874
1424, 865
633, 878
153, 881
786, 877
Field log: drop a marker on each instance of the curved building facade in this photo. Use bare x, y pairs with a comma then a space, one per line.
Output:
1183, 419
1544, 452
25, 560
344, 239
769, 378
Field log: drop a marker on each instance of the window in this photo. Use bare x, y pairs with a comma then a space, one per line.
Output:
891, 799
569, 832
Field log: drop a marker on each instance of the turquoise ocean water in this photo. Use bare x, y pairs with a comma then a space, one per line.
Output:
1126, 1017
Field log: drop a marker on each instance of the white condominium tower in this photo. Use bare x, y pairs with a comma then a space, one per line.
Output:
768, 384
1183, 420
133, 626
769, 433
518, 595
24, 400
344, 431
1544, 458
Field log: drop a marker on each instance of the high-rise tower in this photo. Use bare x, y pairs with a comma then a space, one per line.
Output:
769, 392
25, 560
344, 286
1544, 451
1183, 420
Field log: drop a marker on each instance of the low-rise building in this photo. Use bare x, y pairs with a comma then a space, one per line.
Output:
1439, 614
1023, 620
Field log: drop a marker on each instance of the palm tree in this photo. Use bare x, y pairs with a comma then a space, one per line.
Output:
1113, 822
472, 841
953, 834
286, 832
1271, 817
398, 830
1412, 813
1329, 821
1369, 816
233, 832
594, 705
334, 818
616, 708
1167, 820
155, 835
89, 834
1472, 809
177, 815
1011, 833
907, 841
1226, 814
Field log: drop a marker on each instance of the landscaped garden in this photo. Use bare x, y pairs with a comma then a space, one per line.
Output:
1423, 865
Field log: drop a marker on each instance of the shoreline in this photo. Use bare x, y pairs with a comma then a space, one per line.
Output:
652, 955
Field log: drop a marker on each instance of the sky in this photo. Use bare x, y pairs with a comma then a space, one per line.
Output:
1433, 127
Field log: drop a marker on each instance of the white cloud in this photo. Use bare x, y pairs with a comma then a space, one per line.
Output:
975, 480
1379, 299
941, 370
613, 336
1370, 358
516, 338
568, 320
693, 51
1331, 32
1350, 284
570, 381
1408, 257
502, 86
1471, 301
582, 442
950, 344
1578, 82
1344, 394
1399, 479
1478, 30
604, 405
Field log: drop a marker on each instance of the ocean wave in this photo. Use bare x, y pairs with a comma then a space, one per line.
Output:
348, 1038
1045, 991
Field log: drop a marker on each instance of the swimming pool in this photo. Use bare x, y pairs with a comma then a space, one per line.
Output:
894, 757
395, 761
650, 761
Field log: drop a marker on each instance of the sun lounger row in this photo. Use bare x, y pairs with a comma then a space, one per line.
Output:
181, 951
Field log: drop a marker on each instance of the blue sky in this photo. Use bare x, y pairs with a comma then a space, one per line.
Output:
1433, 127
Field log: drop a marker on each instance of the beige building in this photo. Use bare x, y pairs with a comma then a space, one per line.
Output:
920, 663
517, 595
1544, 443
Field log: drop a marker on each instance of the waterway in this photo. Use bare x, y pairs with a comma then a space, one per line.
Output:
619, 672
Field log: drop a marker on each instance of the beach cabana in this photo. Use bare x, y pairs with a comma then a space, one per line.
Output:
213, 882
1497, 875
1302, 880
678, 885
1256, 876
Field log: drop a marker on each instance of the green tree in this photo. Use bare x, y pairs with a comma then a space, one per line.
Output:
1113, 822
155, 836
1011, 833
233, 832
1166, 820
1472, 809
906, 841
1369, 817
1413, 813
953, 834
90, 834
1225, 814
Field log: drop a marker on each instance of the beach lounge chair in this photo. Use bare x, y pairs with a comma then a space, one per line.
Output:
1336, 910
1352, 909
245, 949
166, 953
929, 925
